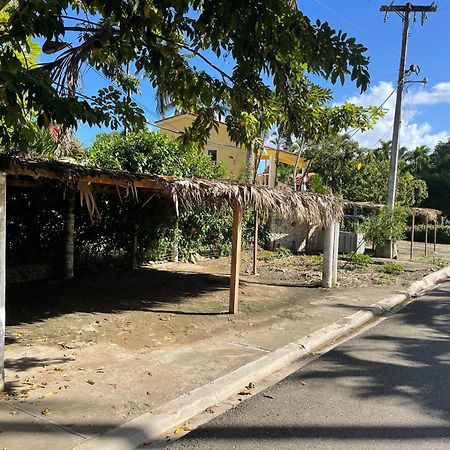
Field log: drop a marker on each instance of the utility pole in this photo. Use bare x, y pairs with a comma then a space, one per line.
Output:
404, 12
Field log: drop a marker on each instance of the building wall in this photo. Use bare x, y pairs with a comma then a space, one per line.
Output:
293, 235
232, 157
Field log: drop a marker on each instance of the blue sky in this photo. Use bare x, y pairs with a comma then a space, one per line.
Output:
426, 110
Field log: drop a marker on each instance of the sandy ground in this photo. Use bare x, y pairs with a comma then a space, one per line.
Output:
91, 352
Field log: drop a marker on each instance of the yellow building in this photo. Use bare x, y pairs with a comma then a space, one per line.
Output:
221, 149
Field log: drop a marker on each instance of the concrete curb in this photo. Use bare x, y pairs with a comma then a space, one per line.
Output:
151, 426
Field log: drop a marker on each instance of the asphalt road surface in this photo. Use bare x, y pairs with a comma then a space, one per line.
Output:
389, 388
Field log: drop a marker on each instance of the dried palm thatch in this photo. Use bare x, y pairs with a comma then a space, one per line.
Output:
431, 214
190, 193
303, 206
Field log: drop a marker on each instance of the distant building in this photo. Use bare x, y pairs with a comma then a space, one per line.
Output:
221, 149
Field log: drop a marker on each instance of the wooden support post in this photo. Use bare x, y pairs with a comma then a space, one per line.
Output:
426, 235
435, 235
69, 232
176, 232
255, 243
413, 224
327, 268
335, 252
2, 276
134, 264
235, 257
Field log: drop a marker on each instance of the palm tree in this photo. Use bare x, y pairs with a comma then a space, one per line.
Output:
418, 158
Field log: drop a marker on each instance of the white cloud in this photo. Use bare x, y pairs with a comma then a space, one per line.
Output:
413, 132
438, 94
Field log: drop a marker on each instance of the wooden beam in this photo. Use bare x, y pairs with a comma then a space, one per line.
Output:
426, 234
2, 277
413, 224
139, 182
236, 243
24, 183
255, 243
69, 231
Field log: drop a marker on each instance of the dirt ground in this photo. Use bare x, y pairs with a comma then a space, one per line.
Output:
146, 308
127, 341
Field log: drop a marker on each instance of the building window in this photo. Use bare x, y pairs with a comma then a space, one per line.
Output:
213, 155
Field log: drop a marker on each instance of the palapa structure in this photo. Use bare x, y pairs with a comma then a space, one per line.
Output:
315, 209
428, 214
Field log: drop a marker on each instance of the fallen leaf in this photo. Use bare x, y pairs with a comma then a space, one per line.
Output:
178, 430
244, 393
90, 382
250, 386
46, 412
14, 413
186, 427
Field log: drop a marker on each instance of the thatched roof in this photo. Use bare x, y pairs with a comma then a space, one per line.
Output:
431, 214
315, 209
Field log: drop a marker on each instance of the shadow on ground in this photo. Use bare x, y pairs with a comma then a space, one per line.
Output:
139, 290
423, 375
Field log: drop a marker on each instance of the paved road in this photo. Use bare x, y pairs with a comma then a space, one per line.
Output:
389, 388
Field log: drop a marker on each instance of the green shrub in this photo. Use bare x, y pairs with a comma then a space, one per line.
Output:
360, 259
393, 268
387, 225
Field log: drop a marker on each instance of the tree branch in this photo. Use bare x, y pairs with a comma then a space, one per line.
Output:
197, 53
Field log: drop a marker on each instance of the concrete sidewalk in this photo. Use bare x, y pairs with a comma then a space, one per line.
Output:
61, 397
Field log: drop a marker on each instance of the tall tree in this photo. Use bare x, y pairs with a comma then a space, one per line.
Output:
178, 47
437, 176
418, 159
360, 174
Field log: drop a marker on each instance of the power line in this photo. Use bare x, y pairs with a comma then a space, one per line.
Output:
353, 24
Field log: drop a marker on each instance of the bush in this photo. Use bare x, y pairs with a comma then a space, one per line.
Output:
393, 268
387, 225
359, 258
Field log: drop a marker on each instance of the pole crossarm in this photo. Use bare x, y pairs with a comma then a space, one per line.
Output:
409, 7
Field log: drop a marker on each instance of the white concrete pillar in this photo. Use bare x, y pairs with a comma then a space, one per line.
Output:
328, 254
337, 227
2, 276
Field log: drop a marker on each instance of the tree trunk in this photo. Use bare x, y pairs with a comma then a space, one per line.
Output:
69, 232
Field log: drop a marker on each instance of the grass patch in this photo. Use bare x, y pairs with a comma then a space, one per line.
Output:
280, 252
435, 260
382, 280
314, 259
393, 268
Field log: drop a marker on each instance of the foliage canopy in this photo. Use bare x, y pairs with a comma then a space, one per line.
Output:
177, 46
